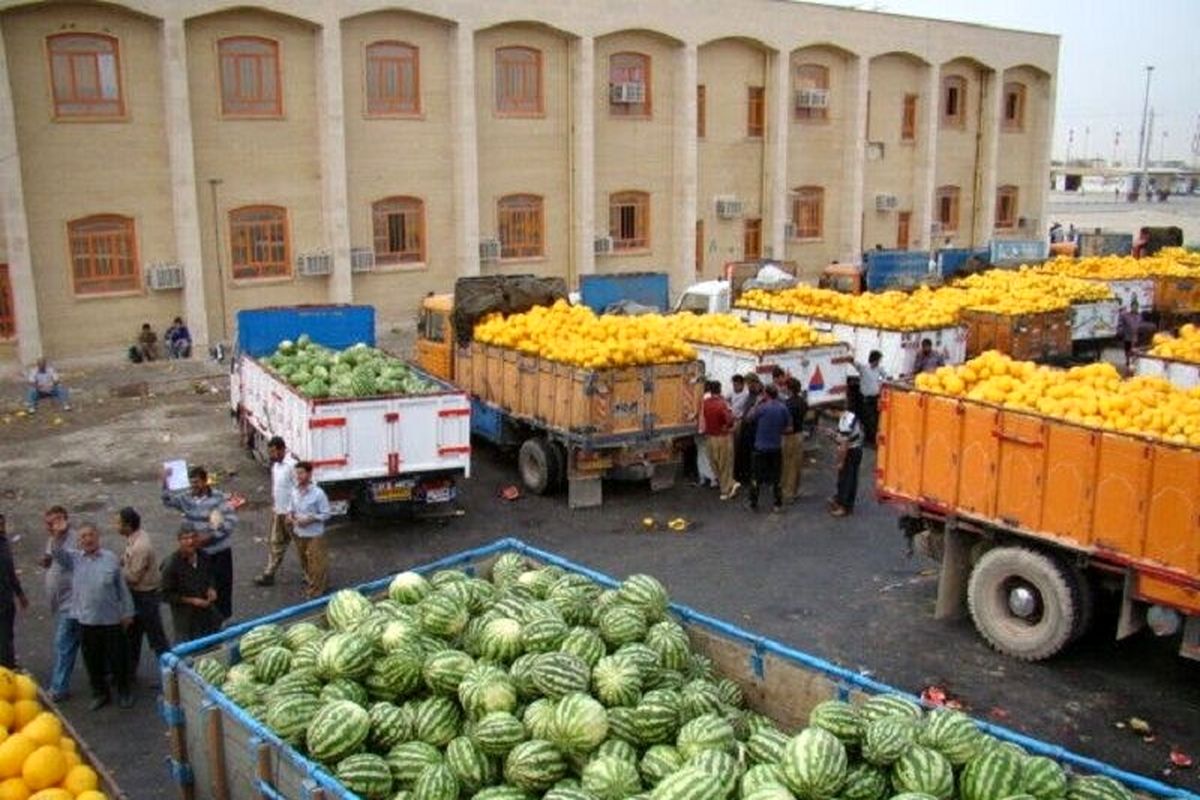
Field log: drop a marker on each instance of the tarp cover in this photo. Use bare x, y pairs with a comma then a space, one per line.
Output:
770, 278
475, 298
630, 308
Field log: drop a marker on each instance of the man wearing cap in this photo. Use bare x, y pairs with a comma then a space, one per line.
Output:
849, 456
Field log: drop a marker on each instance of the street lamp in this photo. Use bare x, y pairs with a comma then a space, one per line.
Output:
1143, 149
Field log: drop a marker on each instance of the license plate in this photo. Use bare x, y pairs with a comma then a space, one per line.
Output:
443, 495
391, 492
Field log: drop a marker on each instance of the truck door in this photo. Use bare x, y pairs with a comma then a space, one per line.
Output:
433, 343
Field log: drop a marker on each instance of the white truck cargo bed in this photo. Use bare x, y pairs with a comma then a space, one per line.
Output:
1184, 374
821, 369
1095, 320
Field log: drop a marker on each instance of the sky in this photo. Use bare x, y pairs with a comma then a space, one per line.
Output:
1104, 50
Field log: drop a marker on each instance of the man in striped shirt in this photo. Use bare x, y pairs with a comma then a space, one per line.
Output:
210, 514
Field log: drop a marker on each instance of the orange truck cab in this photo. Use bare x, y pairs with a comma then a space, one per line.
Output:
435, 336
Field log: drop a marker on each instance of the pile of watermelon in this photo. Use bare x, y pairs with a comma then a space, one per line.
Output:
539, 683
357, 371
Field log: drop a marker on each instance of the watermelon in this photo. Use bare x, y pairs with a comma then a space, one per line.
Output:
708, 731
573, 603
768, 792
436, 720
482, 697
622, 725
408, 760
436, 782
579, 724
766, 746
645, 593
730, 693
889, 705
471, 766
337, 730
618, 749
539, 716
289, 716
257, 639
1096, 787
346, 608
657, 718
272, 663
534, 765
506, 569
886, 739
558, 674
670, 641
688, 783
585, 644
923, 771
658, 762
814, 764
444, 671
617, 681
365, 774
390, 725
568, 791
345, 689
408, 588
543, 635
500, 640
951, 733
443, 615
720, 764
700, 697
611, 778
621, 624
300, 633
759, 776
993, 773
211, 670
345, 655
865, 782
305, 656
501, 793
397, 674
839, 718
1043, 778
497, 733
303, 680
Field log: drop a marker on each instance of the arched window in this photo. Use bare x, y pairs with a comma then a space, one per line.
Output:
947, 208
103, 254
250, 82
258, 242
85, 75
521, 225
399, 225
393, 79
954, 101
1014, 107
1006, 207
629, 85
629, 220
808, 212
811, 85
518, 81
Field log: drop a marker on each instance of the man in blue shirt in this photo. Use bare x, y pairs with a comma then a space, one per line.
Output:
771, 420
308, 512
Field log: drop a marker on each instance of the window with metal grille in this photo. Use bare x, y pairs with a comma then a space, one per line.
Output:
811, 87
954, 101
756, 111
393, 79
751, 239
399, 225
258, 242
250, 82
947, 208
103, 254
629, 220
85, 75
521, 226
1006, 207
701, 111
8, 313
1014, 107
808, 212
908, 119
518, 81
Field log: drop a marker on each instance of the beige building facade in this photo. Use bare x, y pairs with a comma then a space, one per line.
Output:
186, 158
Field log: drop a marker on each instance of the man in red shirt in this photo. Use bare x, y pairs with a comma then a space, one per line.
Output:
718, 438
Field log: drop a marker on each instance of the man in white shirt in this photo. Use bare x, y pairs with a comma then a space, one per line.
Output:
870, 383
44, 382
283, 482
308, 513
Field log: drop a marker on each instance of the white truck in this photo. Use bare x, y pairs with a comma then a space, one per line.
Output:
821, 368
371, 454
1095, 320
1184, 374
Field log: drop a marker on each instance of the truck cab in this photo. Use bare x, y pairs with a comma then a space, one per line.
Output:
434, 349
844, 278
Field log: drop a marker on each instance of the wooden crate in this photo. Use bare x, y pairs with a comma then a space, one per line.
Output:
1022, 336
1174, 295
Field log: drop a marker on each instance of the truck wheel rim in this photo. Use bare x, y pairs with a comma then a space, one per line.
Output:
1024, 601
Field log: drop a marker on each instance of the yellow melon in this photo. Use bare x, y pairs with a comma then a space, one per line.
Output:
8, 684
13, 752
14, 789
7, 714
44, 767
92, 794
45, 728
53, 794
25, 711
73, 759
26, 687
81, 778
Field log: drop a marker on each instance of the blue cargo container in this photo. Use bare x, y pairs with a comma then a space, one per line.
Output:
950, 260
897, 269
599, 292
260, 330
1014, 252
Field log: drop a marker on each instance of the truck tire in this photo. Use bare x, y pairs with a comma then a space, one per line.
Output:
558, 460
535, 463
1023, 602
1085, 599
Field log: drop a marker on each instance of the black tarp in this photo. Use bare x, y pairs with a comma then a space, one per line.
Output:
475, 298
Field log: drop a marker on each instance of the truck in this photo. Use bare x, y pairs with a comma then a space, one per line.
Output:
219, 752
1031, 516
1184, 374
568, 425
372, 455
604, 292
719, 296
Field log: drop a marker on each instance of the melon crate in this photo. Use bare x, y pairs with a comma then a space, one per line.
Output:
640, 698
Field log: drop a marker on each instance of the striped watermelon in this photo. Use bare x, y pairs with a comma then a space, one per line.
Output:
923, 771
399, 633
700, 666
573, 603
289, 716
538, 717
663, 679
243, 692
568, 791
700, 697
500, 640
445, 577
720, 764
306, 655
472, 768
497, 733
409, 760
1043, 778
889, 705
365, 774
436, 720
688, 783
534, 765
444, 671
436, 782
611, 778
579, 724
706, 732
482, 595
647, 594
534, 610
443, 614
398, 673
299, 633
558, 674
507, 568
993, 773
617, 681
345, 655
501, 793
951, 733
886, 739
584, 643
769, 792
839, 718
211, 670
912, 796
299, 681
644, 656
345, 689
259, 638
658, 762
766, 746
622, 724
866, 782
337, 730
1096, 787
656, 720
670, 641
480, 698
520, 672
730, 693
814, 764
617, 749
390, 725
543, 635
759, 776
621, 624
346, 608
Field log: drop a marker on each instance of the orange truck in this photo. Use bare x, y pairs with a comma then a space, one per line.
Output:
1032, 516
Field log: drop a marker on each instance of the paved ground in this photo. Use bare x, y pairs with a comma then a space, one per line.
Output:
840, 589
1102, 210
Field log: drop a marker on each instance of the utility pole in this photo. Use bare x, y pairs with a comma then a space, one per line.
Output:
1142, 136
1087, 138
1116, 147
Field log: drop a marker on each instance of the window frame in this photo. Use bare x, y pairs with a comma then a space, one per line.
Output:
120, 113
618, 204
819, 74
1016, 123
1011, 194
756, 112
909, 113
903, 225
285, 224
388, 108
538, 210
8, 306
800, 197
954, 195
502, 105
409, 207
958, 119
642, 110
130, 283
275, 56
701, 110
699, 247
751, 234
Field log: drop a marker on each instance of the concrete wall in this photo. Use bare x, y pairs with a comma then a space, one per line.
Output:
893, 165
1019, 163
959, 150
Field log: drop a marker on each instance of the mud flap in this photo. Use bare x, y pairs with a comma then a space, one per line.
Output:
1133, 614
584, 491
663, 476
1190, 646
954, 574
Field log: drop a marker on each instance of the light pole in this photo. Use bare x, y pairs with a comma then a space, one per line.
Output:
213, 183
1143, 155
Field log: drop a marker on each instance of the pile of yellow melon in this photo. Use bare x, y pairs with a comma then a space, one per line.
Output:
1093, 395
37, 761
1184, 347
1168, 262
727, 330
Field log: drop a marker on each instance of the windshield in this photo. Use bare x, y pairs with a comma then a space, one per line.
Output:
695, 303
432, 326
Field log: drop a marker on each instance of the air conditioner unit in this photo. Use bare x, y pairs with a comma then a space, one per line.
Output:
163, 276
629, 93
314, 265
362, 259
886, 202
812, 98
489, 249
729, 207
603, 245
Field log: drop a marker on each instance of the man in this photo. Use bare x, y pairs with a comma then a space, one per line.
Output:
308, 512
927, 360
58, 593
779, 378
771, 422
743, 437
44, 382
849, 439
187, 586
1131, 328
717, 418
11, 595
283, 481
147, 343
705, 477
178, 340
870, 383
739, 399
101, 602
792, 455
209, 513
139, 567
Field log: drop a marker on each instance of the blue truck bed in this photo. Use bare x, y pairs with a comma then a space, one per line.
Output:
260, 330
598, 292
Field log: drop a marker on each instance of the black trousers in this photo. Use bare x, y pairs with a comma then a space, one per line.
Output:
147, 623
847, 479
221, 565
105, 652
870, 417
8, 652
768, 466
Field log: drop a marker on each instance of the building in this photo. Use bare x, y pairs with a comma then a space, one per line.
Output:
192, 158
